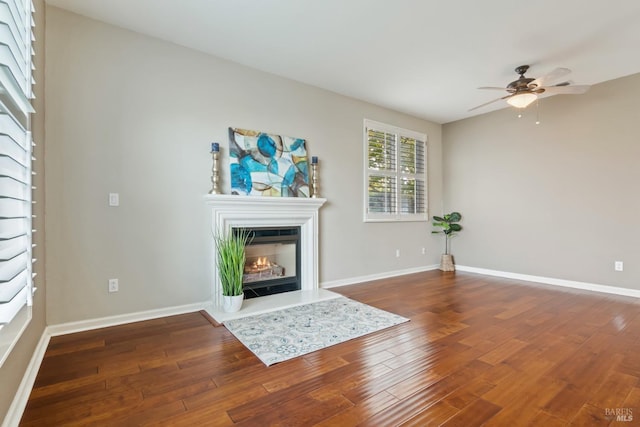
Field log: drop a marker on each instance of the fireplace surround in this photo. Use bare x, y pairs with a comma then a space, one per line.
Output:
228, 212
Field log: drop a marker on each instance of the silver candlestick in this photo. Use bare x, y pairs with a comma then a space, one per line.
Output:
315, 186
215, 169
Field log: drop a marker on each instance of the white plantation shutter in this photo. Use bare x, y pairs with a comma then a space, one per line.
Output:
395, 173
412, 176
382, 177
16, 147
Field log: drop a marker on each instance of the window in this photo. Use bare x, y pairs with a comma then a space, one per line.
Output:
395, 173
16, 277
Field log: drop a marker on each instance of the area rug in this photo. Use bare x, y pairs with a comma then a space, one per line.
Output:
291, 332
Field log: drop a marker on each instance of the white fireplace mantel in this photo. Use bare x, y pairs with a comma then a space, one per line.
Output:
229, 211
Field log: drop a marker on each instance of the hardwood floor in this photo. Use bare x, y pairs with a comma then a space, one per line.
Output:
477, 351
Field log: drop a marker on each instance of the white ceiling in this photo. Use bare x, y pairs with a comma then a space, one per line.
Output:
422, 57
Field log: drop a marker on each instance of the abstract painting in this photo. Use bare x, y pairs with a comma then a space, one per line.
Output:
263, 164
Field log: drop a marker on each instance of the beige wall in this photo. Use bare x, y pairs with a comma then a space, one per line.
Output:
559, 199
14, 368
131, 114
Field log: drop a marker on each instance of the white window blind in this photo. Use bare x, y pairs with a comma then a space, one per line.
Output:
16, 148
395, 173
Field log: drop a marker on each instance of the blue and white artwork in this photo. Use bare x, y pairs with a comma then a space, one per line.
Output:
263, 164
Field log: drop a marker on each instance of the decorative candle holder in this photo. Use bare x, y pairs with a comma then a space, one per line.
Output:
315, 186
215, 169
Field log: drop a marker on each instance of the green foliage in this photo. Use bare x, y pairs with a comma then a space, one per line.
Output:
231, 259
449, 226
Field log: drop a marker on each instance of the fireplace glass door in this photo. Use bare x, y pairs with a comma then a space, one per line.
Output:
272, 261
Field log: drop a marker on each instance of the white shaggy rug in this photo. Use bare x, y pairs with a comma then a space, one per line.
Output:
295, 331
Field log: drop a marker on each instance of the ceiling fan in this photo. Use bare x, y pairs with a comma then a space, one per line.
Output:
525, 90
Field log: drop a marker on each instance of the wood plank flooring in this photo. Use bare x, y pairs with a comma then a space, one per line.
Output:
477, 351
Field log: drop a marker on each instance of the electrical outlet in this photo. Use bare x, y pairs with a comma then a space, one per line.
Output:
113, 285
618, 266
397, 253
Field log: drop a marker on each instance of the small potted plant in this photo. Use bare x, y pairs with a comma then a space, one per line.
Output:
231, 260
449, 226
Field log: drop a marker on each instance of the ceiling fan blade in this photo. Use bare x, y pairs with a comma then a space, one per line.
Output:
550, 77
566, 90
491, 102
492, 88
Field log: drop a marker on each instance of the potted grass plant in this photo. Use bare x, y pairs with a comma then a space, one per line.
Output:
449, 227
231, 259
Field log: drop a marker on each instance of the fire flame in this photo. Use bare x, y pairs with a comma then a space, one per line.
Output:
262, 262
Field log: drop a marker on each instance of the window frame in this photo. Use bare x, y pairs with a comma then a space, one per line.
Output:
396, 215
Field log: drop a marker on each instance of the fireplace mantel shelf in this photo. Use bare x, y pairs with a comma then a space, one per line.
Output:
279, 202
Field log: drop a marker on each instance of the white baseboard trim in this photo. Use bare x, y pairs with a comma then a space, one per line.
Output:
103, 322
554, 282
378, 276
19, 403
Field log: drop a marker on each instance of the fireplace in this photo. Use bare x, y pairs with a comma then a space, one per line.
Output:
271, 215
272, 261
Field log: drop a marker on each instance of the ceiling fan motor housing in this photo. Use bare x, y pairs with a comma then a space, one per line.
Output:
522, 84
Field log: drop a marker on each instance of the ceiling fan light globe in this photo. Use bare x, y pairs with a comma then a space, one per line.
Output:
522, 100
